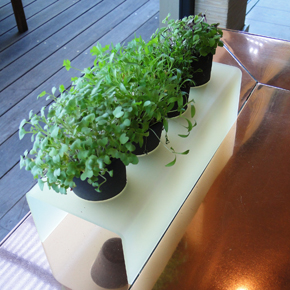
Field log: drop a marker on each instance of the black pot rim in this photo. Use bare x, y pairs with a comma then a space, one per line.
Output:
104, 200
144, 150
112, 188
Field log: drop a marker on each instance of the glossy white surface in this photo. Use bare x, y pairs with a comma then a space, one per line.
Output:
154, 194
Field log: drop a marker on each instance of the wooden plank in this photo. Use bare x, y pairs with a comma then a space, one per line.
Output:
3, 233
251, 5
30, 10
58, 39
45, 31
36, 21
7, 10
11, 150
15, 214
146, 30
39, 74
13, 187
4, 3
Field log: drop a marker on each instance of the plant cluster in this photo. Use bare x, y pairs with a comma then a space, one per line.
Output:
76, 139
105, 113
186, 40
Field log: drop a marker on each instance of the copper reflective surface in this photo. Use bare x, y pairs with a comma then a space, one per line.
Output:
248, 82
240, 237
267, 59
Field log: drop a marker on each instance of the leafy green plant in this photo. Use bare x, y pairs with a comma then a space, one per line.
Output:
106, 112
186, 40
206, 37
137, 80
82, 131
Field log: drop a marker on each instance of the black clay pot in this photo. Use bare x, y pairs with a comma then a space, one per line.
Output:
174, 113
111, 188
150, 142
108, 270
205, 64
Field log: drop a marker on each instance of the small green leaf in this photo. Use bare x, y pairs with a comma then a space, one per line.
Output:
118, 113
42, 94
104, 141
87, 174
134, 159
172, 100
61, 88
183, 136
123, 138
56, 172
34, 120
211, 42
111, 57
101, 163
190, 126
76, 144
192, 111
53, 152
30, 114
50, 176
171, 163
83, 155
130, 147
63, 149
107, 159
53, 90
122, 88
66, 64
22, 133
38, 161
90, 118
147, 103
102, 122
62, 190
127, 122
22, 123
22, 162
165, 124
96, 87
55, 187
41, 184
54, 132
36, 171
42, 111
56, 159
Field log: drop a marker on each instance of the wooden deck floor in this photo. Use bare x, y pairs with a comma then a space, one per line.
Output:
32, 62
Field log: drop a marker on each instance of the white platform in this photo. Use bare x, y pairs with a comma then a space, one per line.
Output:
155, 193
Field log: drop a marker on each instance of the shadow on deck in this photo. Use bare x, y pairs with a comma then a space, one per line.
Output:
31, 62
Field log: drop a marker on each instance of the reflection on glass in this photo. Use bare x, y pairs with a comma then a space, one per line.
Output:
108, 270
